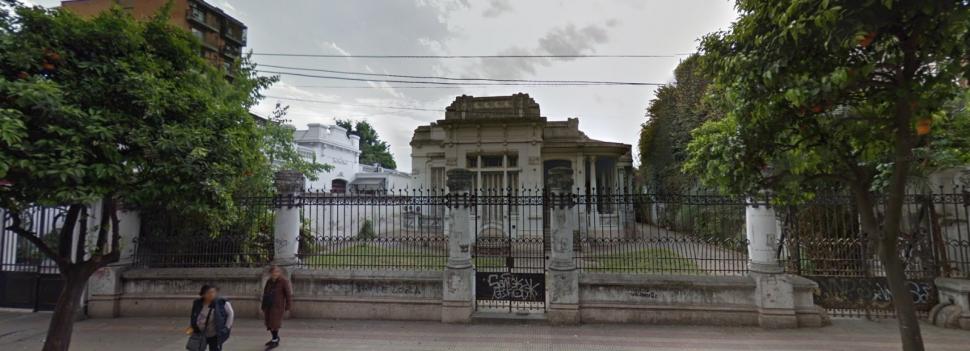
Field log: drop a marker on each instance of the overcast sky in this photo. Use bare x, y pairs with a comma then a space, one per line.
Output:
475, 27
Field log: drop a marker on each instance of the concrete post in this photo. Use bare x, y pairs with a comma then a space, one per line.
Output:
129, 227
763, 231
783, 300
458, 297
563, 278
286, 224
105, 287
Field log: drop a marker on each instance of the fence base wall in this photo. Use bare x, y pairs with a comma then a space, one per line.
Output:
693, 300
169, 292
388, 295
953, 311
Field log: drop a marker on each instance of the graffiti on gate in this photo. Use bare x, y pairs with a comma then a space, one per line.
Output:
869, 293
510, 286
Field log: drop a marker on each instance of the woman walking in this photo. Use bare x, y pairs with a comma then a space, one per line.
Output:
211, 320
277, 299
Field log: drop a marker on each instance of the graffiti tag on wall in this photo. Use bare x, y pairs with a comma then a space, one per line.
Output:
510, 286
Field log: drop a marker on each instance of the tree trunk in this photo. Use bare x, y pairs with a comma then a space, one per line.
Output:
62, 322
909, 329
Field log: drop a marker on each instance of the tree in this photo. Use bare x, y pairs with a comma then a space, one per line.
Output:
677, 109
834, 91
372, 148
109, 113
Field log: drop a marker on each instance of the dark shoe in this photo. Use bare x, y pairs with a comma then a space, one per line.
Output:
273, 341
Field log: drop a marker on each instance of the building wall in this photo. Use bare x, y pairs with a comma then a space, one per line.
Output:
219, 32
331, 145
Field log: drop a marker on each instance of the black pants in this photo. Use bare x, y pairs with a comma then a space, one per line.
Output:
213, 343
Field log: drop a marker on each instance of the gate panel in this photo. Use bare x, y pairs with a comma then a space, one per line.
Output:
509, 253
28, 279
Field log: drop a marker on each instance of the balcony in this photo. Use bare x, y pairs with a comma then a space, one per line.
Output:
235, 35
198, 16
230, 51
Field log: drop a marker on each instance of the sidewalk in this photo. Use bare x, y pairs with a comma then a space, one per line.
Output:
25, 331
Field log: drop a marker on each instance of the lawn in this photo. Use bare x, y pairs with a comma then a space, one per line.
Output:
652, 260
362, 255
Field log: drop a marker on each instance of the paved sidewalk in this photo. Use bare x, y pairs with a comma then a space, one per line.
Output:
25, 331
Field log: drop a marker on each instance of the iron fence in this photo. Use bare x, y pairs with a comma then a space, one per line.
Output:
28, 278
823, 241
244, 240
682, 234
402, 230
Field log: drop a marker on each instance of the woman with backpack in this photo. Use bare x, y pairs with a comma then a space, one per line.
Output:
211, 320
277, 299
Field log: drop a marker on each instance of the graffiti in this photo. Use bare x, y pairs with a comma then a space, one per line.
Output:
644, 293
870, 293
510, 286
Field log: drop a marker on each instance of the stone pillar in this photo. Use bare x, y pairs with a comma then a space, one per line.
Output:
563, 278
763, 231
286, 224
458, 300
783, 300
129, 227
106, 287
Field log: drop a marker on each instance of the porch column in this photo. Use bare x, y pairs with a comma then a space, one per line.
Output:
286, 223
458, 297
563, 278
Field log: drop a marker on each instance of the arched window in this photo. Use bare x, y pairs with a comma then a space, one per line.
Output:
338, 186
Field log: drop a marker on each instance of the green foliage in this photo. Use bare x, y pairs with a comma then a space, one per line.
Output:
280, 149
818, 92
372, 148
677, 109
366, 231
113, 107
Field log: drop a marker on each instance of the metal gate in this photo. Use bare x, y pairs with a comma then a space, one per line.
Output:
28, 279
824, 243
509, 252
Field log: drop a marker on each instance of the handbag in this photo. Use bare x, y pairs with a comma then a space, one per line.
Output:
197, 340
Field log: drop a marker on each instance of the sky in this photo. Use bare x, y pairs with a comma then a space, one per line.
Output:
473, 27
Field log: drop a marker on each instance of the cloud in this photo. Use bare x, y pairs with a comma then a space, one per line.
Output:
497, 8
570, 40
565, 40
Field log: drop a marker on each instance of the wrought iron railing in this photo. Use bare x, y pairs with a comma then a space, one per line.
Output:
693, 233
823, 241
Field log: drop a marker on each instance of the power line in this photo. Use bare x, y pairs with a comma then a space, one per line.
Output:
462, 79
354, 105
445, 83
435, 87
466, 56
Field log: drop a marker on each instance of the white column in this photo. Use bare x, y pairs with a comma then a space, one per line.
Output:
763, 231
286, 224
562, 281
9, 240
458, 296
129, 227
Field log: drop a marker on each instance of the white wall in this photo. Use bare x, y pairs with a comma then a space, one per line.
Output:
331, 145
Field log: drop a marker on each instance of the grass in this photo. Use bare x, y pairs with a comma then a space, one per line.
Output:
368, 255
655, 260
362, 255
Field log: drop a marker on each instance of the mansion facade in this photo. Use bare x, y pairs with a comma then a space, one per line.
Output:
506, 142
510, 148
335, 146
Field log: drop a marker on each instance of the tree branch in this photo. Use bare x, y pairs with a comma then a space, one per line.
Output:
17, 227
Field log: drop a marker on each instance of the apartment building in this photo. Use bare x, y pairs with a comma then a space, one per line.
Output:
222, 36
